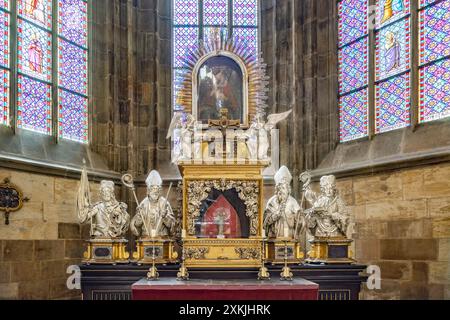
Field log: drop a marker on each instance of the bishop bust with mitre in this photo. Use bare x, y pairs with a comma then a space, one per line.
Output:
154, 216
282, 216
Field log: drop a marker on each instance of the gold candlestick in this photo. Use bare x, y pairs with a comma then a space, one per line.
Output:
263, 273
286, 274
153, 274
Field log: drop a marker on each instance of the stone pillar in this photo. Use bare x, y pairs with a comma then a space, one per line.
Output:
299, 41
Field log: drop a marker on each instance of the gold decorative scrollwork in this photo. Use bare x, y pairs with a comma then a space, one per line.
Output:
196, 253
248, 253
198, 191
178, 210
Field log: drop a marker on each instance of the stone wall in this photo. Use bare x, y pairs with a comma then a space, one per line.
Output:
42, 239
131, 83
403, 226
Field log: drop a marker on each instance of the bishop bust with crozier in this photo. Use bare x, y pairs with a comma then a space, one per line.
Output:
328, 222
154, 216
283, 217
328, 215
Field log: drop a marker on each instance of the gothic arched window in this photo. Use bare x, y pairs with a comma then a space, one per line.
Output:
388, 50
44, 66
193, 20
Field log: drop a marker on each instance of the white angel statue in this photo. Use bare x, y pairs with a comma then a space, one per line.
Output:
181, 131
258, 134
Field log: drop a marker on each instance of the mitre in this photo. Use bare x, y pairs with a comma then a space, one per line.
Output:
107, 184
328, 180
153, 179
283, 176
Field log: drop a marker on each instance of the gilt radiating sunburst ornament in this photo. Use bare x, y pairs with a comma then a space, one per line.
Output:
216, 44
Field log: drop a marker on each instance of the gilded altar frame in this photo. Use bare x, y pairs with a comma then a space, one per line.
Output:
254, 81
198, 180
245, 83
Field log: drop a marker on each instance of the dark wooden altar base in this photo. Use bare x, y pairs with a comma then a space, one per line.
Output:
243, 289
107, 282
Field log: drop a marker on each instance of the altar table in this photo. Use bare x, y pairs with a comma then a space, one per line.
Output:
245, 289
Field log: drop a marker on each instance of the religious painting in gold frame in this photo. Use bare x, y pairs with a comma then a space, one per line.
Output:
254, 78
220, 81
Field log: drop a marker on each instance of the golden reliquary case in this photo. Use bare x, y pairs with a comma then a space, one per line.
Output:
219, 234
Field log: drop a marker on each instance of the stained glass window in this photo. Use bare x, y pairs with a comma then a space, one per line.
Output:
36, 101
392, 49
186, 12
34, 51
186, 40
72, 21
389, 82
392, 65
215, 12
245, 13
434, 64
4, 39
352, 20
435, 32
72, 67
4, 4
353, 111
423, 3
37, 11
245, 24
207, 31
72, 70
197, 19
389, 11
353, 68
249, 36
4, 96
73, 115
4, 60
392, 104
435, 91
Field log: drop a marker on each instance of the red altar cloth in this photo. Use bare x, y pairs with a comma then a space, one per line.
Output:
171, 289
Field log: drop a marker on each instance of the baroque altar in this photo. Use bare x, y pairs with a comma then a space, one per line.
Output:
223, 143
